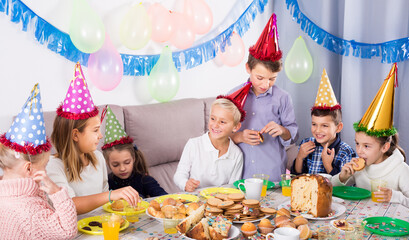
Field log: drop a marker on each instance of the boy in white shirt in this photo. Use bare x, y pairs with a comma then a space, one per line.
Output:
213, 159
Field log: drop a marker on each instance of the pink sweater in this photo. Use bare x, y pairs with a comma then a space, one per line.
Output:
26, 214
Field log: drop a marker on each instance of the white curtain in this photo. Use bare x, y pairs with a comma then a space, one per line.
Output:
355, 80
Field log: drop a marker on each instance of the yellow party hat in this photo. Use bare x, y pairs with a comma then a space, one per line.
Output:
325, 99
378, 118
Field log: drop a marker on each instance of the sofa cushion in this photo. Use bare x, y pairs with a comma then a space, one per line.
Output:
208, 105
163, 173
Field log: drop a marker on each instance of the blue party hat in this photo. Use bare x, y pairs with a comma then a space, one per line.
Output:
27, 132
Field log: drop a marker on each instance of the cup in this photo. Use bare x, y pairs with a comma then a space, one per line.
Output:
253, 187
111, 223
286, 184
355, 231
284, 233
169, 225
328, 233
376, 184
131, 213
265, 178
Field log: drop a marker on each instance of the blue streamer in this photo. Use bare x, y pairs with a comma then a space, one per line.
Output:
134, 65
390, 52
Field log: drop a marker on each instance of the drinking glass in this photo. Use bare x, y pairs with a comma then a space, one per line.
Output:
110, 225
286, 184
376, 184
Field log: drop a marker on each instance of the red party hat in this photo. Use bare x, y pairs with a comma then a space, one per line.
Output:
239, 98
266, 48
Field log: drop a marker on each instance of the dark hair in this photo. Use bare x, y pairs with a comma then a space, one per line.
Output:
139, 165
336, 115
394, 141
275, 66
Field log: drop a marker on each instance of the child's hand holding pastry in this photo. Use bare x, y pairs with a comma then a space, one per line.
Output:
128, 193
46, 184
348, 170
191, 185
274, 129
248, 136
383, 195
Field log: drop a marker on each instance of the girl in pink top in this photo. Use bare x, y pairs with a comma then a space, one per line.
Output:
24, 210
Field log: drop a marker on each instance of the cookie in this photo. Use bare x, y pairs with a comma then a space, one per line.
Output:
361, 164
236, 197
221, 196
225, 204
214, 202
268, 211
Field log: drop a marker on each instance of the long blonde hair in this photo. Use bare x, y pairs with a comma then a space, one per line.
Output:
67, 149
9, 157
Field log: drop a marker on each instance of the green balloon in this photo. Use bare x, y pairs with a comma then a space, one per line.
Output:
163, 80
87, 32
298, 64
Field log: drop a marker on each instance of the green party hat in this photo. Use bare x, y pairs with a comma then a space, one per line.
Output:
114, 132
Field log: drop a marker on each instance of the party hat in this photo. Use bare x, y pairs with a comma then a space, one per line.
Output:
325, 99
27, 132
114, 132
239, 98
378, 118
78, 102
266, 48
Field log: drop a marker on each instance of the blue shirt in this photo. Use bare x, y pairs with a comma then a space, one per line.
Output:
268, 157
313, 162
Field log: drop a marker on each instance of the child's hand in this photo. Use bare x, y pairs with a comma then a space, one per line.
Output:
191, 185
250, 137
384, 195
127, 193
347, 171
46, 184
274, 129
305, 149
327, 156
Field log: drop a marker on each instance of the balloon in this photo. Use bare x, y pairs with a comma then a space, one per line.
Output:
135, 29
86, 31
163, 80
105, 67
199, 16
298, 64
112, 21
233, 54
182, 37
161, 19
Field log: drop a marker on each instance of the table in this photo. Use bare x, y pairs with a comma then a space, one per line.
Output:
149, 227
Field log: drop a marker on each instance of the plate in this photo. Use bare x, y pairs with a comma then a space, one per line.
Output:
95, 230
236, 184
211, 192
255, 220
187, 197
157, 219
332, 225
352, 193
107, 208
387, 226
337, 210
233, 233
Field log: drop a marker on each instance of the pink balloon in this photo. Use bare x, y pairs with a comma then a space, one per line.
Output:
161, 20
233, 54
105, 67
182, 37
199, 16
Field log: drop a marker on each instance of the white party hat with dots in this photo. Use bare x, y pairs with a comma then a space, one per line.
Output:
114, 132
27, 132
78, 102
326, 99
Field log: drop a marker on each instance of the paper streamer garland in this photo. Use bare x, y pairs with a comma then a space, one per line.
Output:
134, 65
391, 51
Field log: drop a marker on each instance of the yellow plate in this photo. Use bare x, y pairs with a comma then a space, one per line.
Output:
187, 197
211, 192
95, 230
107, 208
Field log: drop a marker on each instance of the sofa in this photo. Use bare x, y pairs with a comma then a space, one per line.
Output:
161, 131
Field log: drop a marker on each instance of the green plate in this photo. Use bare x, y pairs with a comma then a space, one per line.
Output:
387, 226
236, 184
352, 193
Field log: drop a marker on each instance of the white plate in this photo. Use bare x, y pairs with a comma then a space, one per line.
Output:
157, 219
332, 225
233, 233
256, 220
337, 199
337, 209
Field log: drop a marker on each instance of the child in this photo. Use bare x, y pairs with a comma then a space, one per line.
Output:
324, 152
212, 159
77, 165
269, 110
127, 163
24, 210
377, 143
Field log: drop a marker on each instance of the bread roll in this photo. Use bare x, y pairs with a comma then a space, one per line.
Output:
169, 201
305, 232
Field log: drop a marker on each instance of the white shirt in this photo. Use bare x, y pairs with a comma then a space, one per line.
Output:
93, 180
393, 169
200, 160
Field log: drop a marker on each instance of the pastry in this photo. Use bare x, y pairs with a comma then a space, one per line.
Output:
265, 226
283, 212
341, 224
300, 220
155, 205
260, 136
118, 205
192, 207
280, 220
200, 231
311, 194
361, 164
219, 228
288, 224
305, 232
192, 220
169, 201
169, 211
248, 229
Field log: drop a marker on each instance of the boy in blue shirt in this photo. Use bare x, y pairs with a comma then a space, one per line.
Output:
324, 152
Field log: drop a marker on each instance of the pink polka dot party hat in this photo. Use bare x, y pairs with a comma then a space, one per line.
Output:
27, 132
78, 102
